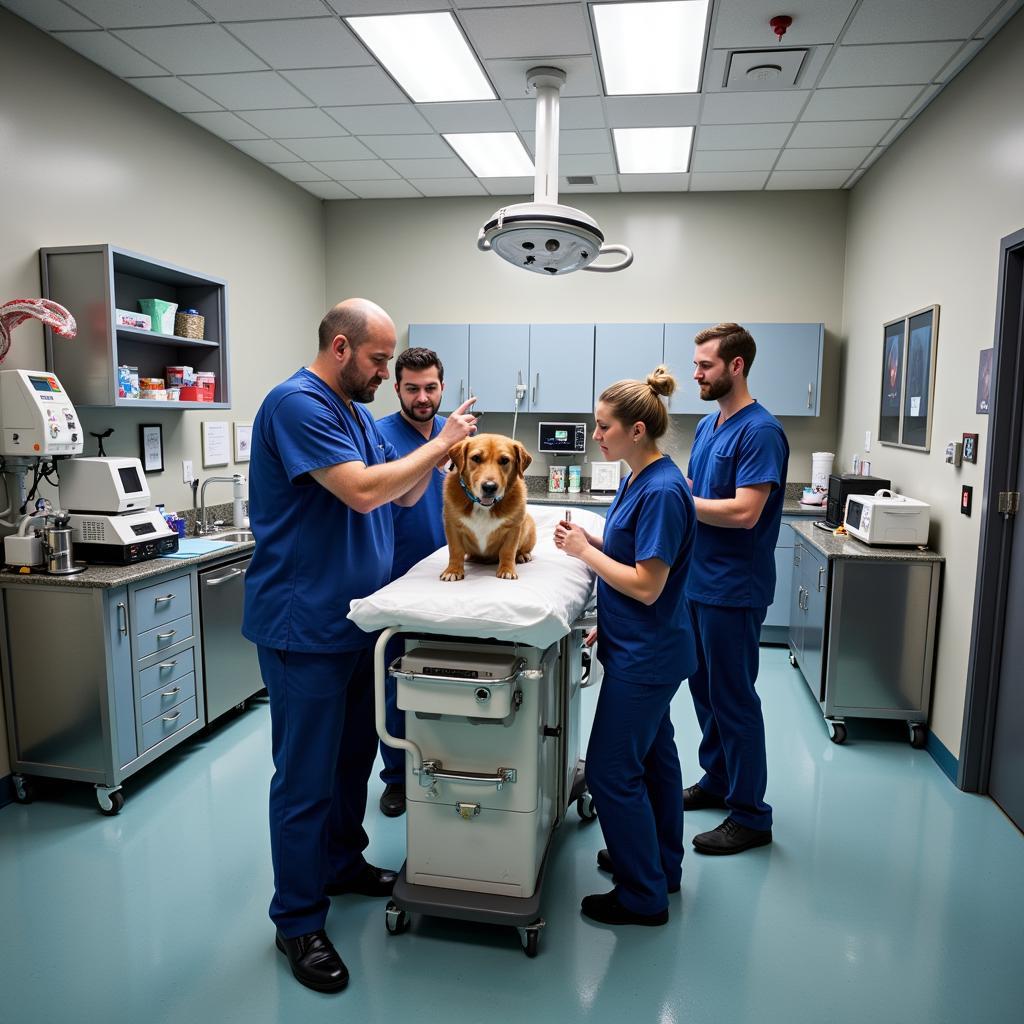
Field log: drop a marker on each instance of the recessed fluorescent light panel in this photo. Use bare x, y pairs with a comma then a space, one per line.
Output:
493, 154
649, 48
426, 54
653, 150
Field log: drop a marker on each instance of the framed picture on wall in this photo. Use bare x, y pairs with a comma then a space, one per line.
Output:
894, 338
919, 379
151, 447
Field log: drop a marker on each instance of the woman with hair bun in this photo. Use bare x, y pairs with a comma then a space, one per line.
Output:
647, 648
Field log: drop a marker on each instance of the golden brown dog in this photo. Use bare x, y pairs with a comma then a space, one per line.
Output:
485, 515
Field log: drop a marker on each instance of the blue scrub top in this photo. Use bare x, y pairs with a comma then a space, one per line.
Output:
313, 553
419, 530
736, 568
652, 517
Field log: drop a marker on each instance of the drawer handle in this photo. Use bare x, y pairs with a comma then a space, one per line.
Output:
170, 693
166, 636
171, 718
167, 664
166, 597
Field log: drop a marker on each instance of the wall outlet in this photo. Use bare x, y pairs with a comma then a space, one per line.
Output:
867, 440
186, 471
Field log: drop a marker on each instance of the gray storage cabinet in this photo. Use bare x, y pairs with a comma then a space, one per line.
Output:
99, 682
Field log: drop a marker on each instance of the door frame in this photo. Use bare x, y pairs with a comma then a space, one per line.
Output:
1006, 420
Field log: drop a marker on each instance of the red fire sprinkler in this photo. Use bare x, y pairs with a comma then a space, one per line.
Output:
780, 23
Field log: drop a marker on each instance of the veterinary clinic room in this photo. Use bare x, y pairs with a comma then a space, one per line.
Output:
511, 511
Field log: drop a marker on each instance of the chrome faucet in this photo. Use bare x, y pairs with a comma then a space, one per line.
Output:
200, 520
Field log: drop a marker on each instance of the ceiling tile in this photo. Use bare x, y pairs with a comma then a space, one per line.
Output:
550, 30
882, 21
129, 13
227, 126
822, 159
294, 123
303, 43
383, 189
192, 49
318, 150
750, 107
392, 147
450, 167
744, 23
249, 10
174, 93
49, 15
475, 116
588, 140
448, 186
734, 160
109, 53
466, 4
742, 136
327, 189
386, 119
586, 163
838, 133
356, 170
728, 181
807, 179
249, 90
652, 111
602, 183
266, 151
579, 112
346, 7
959, 59
346, 86
509, 76
887, 64
654, 182
860, 104
508, 186
298, 172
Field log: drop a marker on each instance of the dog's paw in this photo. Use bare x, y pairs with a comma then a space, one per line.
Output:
523, 556
507, 574
450, 575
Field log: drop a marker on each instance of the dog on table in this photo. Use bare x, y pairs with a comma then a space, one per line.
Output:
485, 515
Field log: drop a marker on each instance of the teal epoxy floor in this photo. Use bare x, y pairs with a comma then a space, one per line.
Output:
888, 896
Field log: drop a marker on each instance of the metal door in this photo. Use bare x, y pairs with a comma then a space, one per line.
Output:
796, 605
814, 577
785, 375
499, 357
562, 368
451, 343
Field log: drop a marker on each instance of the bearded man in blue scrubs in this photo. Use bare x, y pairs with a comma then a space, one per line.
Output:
419, 529
321, 478
738, 475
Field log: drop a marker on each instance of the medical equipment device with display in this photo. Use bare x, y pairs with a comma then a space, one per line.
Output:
562, 438
545, 236
38, 418
887, 518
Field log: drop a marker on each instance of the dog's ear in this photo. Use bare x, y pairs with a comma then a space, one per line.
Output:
523, 458
457, 453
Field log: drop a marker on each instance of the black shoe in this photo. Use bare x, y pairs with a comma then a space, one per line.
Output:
697, 799
604, 863
731, 837
370, 881
314, 961
392, 800
605, 908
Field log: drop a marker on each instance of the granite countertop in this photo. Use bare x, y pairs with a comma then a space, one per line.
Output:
847, 547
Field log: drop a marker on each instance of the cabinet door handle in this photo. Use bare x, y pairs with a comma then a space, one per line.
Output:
170, 693
122, 616
462, 390
796, 556
167, 664
171, 718
166, 636
536, 386
166, 597
821, 582
810, 385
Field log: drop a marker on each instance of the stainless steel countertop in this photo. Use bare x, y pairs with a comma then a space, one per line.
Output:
847, 547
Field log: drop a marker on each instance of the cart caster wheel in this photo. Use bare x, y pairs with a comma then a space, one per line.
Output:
396, 920
110, 801
918, 736
837, 732
792, 659
24, 789
585, 807
529, 938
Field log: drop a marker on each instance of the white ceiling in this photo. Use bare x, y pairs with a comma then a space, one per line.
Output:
287, 82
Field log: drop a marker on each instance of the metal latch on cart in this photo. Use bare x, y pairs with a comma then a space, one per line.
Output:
467, 811
434, 770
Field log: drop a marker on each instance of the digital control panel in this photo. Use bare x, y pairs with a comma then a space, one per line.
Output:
562, 438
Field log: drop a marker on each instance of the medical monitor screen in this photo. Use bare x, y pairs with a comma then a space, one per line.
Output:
562, 438
129, 479
47, 384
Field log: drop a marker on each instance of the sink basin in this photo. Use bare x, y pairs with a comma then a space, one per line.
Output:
234, 536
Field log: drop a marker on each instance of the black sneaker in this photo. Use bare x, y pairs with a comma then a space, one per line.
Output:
731, 837
392, 800
697, 799
605, 863
604, 907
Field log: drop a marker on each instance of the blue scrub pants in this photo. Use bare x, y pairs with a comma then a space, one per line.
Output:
732, 752
324, 743
634, 777
393, 772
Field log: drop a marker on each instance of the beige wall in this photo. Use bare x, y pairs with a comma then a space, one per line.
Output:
924, 228
699, 256
86, 158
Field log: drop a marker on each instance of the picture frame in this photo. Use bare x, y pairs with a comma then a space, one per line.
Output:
891, 402
909, 348
243, 441
151, 447
984, 399
216, 444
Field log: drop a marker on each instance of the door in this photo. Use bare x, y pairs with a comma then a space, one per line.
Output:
451, 343
814, 577
499, 359
778, 610
626, 352
796, 604
562, 368
679, 359
786, 372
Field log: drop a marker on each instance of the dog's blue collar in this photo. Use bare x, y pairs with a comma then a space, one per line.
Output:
472, 497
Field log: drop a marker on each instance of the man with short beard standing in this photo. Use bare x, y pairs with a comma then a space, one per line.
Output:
737, 474
321, 478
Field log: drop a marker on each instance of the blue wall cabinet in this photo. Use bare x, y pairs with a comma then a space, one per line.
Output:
499, 358
562, 368
679, 359
625, 352
451, 343
786, 375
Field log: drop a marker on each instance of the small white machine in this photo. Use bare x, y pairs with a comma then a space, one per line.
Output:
38, 418
887, 519
103, 485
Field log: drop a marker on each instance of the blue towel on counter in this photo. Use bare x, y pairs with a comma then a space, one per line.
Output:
189, 547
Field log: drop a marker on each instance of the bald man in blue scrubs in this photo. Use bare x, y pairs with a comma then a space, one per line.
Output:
321, 479
737, 470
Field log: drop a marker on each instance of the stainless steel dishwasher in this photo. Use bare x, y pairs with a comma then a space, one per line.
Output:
230, 666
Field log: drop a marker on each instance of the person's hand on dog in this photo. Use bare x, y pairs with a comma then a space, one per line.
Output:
572, 539
459, 425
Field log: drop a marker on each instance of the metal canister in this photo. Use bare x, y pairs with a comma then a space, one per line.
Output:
58, 549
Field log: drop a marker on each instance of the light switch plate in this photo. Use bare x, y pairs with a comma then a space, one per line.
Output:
186, 471
867, 440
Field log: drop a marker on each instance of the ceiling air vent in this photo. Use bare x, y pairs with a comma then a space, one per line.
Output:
752, 70
581, 179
